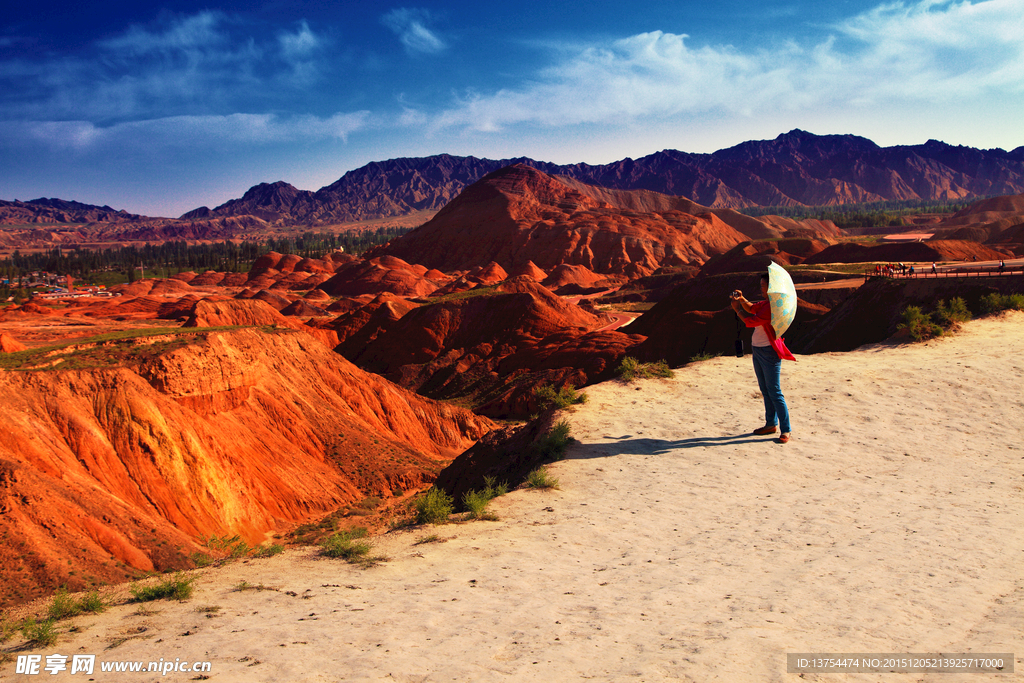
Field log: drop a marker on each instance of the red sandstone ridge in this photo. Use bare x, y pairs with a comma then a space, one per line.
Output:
519, 215
236, 432
377, 275
9, 344
998, 222
927, 251
457, 348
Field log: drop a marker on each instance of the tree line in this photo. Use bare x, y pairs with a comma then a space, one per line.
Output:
867, 214
166, 259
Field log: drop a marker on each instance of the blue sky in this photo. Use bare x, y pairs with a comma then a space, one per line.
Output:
161, 108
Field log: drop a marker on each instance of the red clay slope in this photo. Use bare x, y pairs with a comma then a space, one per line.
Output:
518, 214
107, 471
456, 348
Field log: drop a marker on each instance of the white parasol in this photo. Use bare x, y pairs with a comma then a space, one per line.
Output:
782, 295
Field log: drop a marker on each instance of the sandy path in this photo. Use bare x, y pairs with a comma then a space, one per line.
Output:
678, 547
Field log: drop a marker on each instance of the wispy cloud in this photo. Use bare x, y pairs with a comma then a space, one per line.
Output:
183, 131
924, 52
300, 49
411, 27
177, 65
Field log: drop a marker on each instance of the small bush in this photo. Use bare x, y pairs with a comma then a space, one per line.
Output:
951, 315
92, 603
565, 397
345, 545
201, 560
267, 550
631, 369
39, 634
540, 478
554, 444
178, 587
432, 538
493, 490
703, 356
919, 324
246, 586
239, 549
62, 606
995, 302
7, 627
475, 502
434, 507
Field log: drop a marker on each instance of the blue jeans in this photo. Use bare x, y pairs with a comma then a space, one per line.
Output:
768, 369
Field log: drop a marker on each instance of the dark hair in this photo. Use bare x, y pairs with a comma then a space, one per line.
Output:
766, 276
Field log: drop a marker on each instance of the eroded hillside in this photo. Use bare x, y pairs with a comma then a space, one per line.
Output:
118, 468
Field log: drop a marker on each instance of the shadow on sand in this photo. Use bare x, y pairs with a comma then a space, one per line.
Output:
630, 445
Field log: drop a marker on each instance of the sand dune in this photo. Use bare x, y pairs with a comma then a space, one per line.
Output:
678, 547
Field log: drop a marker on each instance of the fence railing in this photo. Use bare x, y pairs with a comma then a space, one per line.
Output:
955, 272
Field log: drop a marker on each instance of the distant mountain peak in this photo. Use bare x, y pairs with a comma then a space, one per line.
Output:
796, 168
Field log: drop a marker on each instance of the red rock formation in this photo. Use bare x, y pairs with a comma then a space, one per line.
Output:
921, 252
384, 274
571, 275
456, 348
357, 329
251, 312
302, 308
317, 295
153, 286
530, 270
750, 256
560, 359
9, 344
519, 215
109, 471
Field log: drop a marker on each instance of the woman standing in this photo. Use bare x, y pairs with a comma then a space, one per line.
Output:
768, 352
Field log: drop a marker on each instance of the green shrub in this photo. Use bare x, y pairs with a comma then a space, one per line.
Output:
345, 544
239, 549
995, 302
432, 538
554, 444
703, 356
954, 313
493, 490
631, 369
62, 606
201, 559
39, 634
92, 603
267, 550
540, 478
565, 397
434, 507
178, 587
475, 502
919, 324
7, 627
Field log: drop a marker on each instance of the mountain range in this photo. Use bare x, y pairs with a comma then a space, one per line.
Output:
796, 168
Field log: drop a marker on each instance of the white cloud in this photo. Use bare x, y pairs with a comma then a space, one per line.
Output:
410, 25
925, 53
197, 64
300, 44
299, 50
188, 132
180, 34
